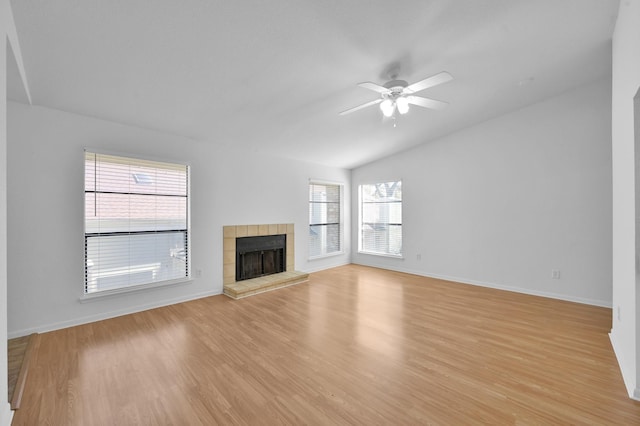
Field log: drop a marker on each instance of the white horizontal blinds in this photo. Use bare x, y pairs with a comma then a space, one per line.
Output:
381, 220
136, 222
324, 219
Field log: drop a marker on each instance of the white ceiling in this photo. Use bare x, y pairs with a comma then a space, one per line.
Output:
271, 76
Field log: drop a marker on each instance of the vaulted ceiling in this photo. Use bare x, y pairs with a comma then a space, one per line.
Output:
271, 76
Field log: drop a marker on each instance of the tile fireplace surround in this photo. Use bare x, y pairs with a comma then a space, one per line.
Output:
239, 289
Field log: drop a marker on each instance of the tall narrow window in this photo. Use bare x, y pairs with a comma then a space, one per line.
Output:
381, 218
136, 222
325, 233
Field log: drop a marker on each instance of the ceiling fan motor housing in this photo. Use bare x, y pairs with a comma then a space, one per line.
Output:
395, 88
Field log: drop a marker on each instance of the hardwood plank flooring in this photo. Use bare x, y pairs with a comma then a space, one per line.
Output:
354, 345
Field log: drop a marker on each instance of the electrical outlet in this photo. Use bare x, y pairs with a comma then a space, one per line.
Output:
418, 257
198, 273
618, 312
555, 274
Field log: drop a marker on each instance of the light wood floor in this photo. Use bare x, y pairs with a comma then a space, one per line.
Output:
355, 345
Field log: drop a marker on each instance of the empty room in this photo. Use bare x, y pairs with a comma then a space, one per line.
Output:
320, 212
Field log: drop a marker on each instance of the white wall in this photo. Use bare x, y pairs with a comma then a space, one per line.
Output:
503, 203
45, 212
9, 53
5, 411
626, 82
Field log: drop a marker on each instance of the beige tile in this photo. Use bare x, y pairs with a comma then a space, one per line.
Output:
241, 231
229, 270
282, 228
252, 230
263, 229
229, 244
229, 256
229, 231
273, 229
290, 228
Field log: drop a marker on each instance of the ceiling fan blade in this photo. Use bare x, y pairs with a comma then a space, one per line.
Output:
375, 87
434, 80
426, 102
377, 101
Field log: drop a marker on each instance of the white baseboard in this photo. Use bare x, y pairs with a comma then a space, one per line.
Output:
627, 376
6, 414
565, 297
568, 298
106, 315
322, 268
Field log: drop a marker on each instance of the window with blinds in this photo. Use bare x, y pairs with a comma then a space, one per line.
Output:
136, 222
324, 219
381, 218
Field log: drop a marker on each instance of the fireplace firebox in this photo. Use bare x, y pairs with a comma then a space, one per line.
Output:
259, 256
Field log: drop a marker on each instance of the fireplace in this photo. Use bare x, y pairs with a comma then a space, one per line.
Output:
236, 233
268, 256
260, 255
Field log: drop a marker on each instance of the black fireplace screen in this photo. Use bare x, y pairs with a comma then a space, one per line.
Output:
259, 256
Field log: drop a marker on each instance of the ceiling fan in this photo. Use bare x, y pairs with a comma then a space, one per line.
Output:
398, 95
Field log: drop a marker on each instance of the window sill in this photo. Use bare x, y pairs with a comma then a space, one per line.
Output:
393, 256
324, 256
92, 297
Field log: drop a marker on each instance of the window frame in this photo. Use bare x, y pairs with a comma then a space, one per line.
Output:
85, 296
340, 223
387, 253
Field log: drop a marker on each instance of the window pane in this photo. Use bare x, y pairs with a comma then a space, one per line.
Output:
381, 218
333, 213
108, 173
136, 222
324, 193
324, 239
320, 213
132, 212
317, 212
126, 260
324, 219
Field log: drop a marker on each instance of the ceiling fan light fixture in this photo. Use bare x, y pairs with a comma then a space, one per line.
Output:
403, 105
388, 107
398, 94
